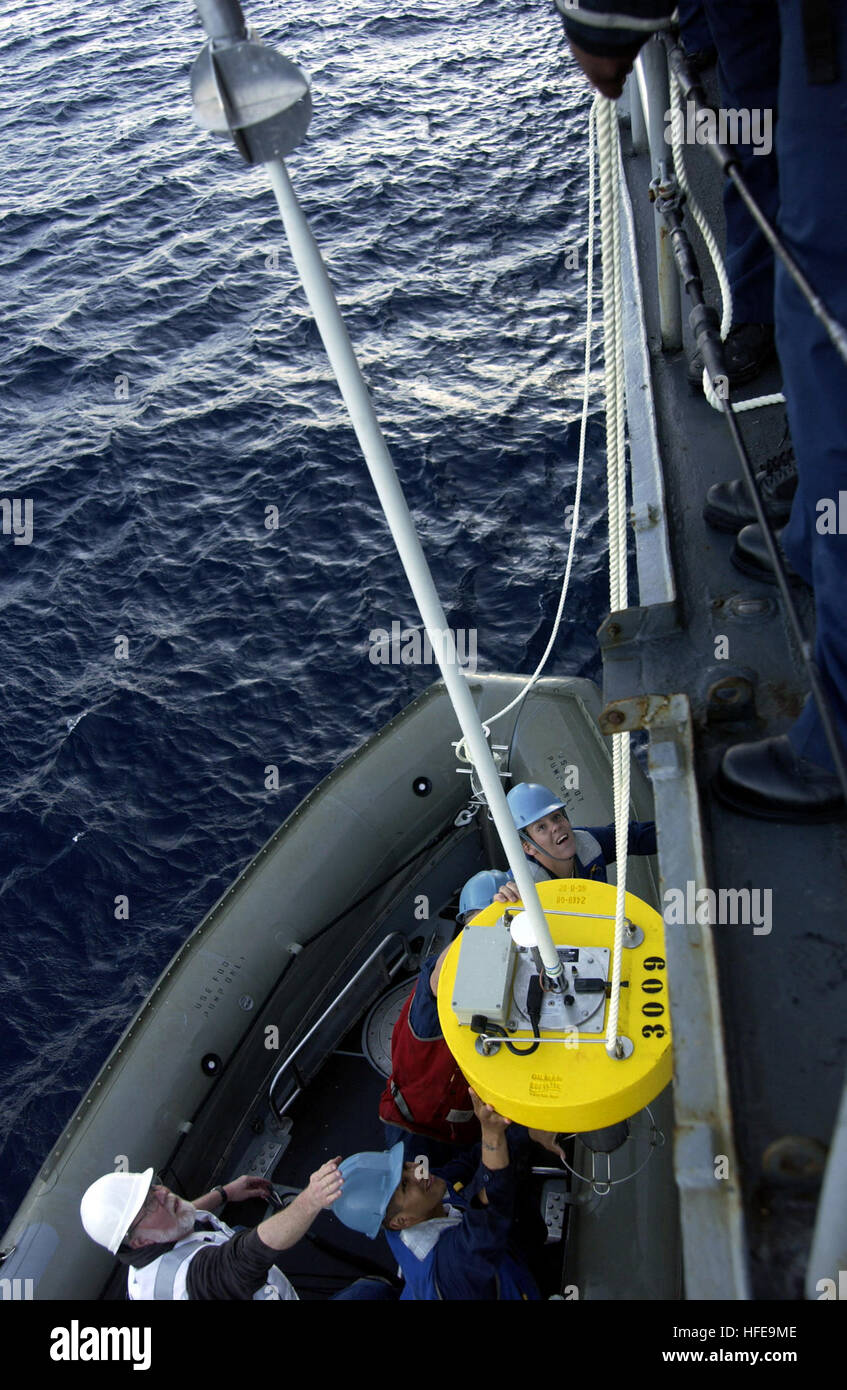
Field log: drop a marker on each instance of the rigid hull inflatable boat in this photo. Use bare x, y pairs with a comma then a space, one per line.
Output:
240, 1059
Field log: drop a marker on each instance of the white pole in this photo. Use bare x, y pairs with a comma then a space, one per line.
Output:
321, 297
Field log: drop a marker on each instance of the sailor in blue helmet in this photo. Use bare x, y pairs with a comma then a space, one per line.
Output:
559, 850
478, 892
790, 776
425, 1101
452, 1232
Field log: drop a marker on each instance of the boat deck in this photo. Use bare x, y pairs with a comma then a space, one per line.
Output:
781, 982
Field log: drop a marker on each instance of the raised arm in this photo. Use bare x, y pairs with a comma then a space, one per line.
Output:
286, 1227
494, 1151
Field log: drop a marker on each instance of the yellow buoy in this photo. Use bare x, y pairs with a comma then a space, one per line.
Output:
570, 1083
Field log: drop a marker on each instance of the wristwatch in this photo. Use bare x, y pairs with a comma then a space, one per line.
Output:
220, 1188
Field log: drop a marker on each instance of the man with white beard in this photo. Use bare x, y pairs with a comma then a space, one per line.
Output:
179, 1250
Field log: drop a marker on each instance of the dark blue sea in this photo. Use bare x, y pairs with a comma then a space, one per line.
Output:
162, 385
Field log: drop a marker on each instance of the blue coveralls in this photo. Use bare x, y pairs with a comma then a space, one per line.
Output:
811, 150
474, 1259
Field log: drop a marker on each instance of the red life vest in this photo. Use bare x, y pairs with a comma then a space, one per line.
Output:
426, 1092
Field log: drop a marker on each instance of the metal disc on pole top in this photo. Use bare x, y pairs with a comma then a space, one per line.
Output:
243, 89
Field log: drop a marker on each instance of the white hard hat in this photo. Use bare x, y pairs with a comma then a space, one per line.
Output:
110, 1205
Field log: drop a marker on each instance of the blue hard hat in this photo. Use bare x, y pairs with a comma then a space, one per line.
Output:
479, 891
529, 801
370, 1179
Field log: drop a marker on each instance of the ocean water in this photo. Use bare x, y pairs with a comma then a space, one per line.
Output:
162, 386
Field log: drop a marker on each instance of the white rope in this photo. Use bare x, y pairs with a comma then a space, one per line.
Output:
696, 212
776, 398
583, 429
463, 752
610, 176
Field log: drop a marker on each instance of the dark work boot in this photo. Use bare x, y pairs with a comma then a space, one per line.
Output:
729, 507
750, 555
748, 348
770, 781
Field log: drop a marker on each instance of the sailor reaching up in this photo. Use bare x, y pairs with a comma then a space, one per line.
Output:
453, 1233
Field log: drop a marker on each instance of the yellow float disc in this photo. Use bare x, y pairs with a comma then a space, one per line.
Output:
573, 1084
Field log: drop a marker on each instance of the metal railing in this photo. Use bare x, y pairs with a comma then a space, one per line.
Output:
290, 1059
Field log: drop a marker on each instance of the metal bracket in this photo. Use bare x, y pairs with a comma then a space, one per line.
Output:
666, 194
622, 637
637, 646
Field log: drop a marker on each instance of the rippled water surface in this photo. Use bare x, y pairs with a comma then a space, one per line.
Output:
162, 386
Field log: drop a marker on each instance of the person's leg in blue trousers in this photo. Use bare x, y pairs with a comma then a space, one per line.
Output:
694, 26
812, 153
746, 34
